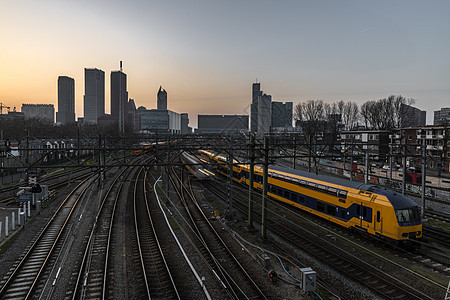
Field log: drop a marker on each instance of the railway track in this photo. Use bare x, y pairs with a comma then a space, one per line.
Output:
21, 282
440, 236
91, 281
438, 215
327, 252
159, 283
60, 183
236, 280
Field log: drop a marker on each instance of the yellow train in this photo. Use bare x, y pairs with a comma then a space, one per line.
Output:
357, 206
195, 167
149, 147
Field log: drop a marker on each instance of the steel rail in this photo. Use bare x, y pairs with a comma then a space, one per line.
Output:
95, 226
48, 249
232, 284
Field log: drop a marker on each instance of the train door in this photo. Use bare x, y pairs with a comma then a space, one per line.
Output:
378, 220
359, 213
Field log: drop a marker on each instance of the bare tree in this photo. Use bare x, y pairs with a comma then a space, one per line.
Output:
350, 115
387, 113
366, 113
311, 116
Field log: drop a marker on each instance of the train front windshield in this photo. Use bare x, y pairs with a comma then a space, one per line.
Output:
408, 215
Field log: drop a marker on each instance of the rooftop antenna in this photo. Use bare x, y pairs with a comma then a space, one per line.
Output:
120, 66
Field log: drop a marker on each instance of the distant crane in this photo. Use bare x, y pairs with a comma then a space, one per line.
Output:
2, 106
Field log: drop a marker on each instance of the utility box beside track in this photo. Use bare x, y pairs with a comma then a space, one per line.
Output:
308, 279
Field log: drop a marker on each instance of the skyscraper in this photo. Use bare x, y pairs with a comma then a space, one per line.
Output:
161, 99
256, 93
66, 100
94, 95
282, 114
264, 113
119, 98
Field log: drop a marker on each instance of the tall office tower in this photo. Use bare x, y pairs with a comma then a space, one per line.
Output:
256, 93
264, 113
282, 114
66, 100
162, 99
185, 124
94, 95
119, 98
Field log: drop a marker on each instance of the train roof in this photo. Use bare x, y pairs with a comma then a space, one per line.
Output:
191, 158
326, 178
397, 200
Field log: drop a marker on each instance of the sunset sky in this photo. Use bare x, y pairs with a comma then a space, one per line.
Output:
206, 54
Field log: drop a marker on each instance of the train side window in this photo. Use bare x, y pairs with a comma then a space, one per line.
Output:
322, 187
331, 210
294, 197
342, 194
365, 211
378, 216
320, 206
301, 199
332, 191
286, 194
358, 210
312, 185
279, 192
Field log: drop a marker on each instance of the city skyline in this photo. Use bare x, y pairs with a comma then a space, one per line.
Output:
206, 54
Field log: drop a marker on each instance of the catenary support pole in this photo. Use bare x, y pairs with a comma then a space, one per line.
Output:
168, 167
404, 166
366, 171
230, 181
424, 173
264, 192
295, 153
250, 182
390, 158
